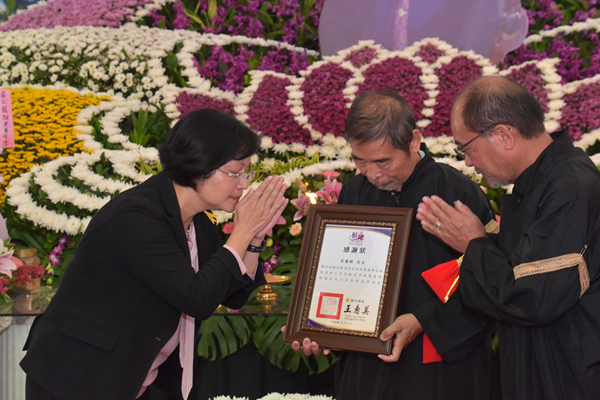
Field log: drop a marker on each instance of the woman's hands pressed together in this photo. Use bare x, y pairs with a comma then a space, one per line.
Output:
255, 215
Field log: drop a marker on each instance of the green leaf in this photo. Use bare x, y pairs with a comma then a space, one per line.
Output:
212, 9
194, 16
35, 242
226, 333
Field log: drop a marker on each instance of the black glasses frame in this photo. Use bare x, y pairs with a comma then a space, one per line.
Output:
459, 149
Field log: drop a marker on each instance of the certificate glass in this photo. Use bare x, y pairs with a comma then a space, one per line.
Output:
349, 276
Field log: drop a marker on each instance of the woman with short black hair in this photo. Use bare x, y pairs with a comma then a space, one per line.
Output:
151, 263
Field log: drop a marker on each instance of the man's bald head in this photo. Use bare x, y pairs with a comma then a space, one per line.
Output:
497, 100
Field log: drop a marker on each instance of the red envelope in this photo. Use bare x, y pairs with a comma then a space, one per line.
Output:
443, 279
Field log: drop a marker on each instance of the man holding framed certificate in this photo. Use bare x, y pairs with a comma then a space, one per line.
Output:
440, 350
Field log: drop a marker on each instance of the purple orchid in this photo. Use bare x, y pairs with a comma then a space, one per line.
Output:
268, 266
54, 258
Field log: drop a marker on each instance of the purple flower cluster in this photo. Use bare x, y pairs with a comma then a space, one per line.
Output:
269, 113
245, 17
530, 77
429, 53
581, 114
571, 67
54, 257
398, 74
283, 60
324, 102
453, 77
235, 18
577, 61
289, 10
109, 13
269, 265
156, 17
362, 56
224, 69
189, 102
247, 23
548, 11
181, 20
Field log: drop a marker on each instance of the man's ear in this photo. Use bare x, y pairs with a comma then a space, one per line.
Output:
415, 143
507, 135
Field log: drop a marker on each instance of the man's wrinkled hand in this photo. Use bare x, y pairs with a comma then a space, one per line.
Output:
456, 226
404, 330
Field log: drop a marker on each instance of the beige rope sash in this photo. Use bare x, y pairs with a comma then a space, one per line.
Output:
492, 227
556, 264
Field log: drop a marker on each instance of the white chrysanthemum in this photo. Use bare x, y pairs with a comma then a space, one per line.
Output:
312, 150
297, 147
280, 148
266, 143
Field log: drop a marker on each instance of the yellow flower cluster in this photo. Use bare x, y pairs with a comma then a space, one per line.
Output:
43, 121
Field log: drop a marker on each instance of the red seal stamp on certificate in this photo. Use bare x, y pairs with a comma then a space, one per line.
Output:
330, 305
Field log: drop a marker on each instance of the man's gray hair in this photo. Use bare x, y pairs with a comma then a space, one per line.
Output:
381, 115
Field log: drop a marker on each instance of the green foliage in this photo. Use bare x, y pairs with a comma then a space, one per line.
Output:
172, 67
268, 339
594, 149
495, 195
146, 127
99, 136
224, 335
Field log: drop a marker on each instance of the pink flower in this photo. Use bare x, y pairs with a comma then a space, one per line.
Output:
302, 202
331, 174
8, 263
3, 285
280, 221
228, 228
332, 191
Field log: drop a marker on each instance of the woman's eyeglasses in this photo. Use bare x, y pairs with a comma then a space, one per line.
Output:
241, 177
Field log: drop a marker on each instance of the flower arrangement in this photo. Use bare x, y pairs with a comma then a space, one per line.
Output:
43, 123
44, 14
27, 274
564, 29
294, 22
8, 265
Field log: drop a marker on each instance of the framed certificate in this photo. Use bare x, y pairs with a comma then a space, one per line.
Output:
349, 276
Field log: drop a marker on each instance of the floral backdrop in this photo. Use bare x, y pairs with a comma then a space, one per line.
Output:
96, 86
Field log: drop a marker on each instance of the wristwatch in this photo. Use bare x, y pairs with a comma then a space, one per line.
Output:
257, 249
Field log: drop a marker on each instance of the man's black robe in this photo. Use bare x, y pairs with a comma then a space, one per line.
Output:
549, 336
459, 336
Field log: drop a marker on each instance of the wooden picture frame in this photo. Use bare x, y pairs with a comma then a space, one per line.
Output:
345, 296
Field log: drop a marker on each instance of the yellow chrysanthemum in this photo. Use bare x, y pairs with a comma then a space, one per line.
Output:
44, 121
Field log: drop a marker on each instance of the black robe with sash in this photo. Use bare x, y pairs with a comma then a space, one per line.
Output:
459, 336
549, 332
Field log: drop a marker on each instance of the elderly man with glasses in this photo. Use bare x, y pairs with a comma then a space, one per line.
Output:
539, 276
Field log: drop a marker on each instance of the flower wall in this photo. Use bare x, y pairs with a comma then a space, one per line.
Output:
96, 88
